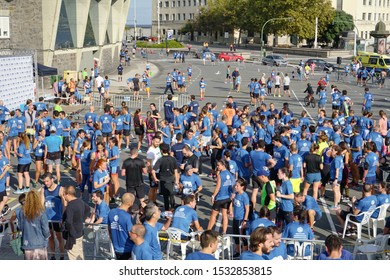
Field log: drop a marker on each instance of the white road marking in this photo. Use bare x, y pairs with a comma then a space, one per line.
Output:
304, 108
327, 213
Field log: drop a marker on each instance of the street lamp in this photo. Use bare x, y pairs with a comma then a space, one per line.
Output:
355, 36
262, 29
158, 22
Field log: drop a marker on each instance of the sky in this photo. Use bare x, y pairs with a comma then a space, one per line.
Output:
144, 14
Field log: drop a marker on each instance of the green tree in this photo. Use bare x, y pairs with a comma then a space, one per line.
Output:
340, 23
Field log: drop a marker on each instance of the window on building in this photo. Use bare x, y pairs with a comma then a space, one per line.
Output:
374, 16
64, 36
205, 2
174, 31
163, 31
369, 16
166, 4
160, 4
380, 3
184, 3
4, 27
388, 3
166, 16
161, 16
200, 2
178, 3
178, 16
370, 2
173, 17
173, 4
387, 17
366, 35
189, 2
184, 16
362, 34
364, 2
364, 16
194, 2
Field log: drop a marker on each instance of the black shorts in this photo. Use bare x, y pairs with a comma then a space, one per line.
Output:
38, 158
138, 191
139, 130
2, 195
55, 226
364, 78
221, 204
277, 86
106, 134
136, 89
256, 183
53, 156
343, 215
228, 76
23, 168
66, 141
255, 95
180, 86
126, 132
118, 132
286, 87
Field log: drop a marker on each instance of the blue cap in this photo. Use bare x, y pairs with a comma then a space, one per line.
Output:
264, 171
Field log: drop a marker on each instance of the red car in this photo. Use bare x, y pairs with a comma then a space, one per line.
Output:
229, 56
153, 39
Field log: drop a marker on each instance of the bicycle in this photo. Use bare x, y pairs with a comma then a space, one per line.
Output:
309, 99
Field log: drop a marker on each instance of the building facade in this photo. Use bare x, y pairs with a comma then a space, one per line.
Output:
67, 34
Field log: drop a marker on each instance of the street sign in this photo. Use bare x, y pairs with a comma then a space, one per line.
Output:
170, 34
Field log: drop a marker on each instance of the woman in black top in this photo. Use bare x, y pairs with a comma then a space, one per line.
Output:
138, 127
313, 166
216, 154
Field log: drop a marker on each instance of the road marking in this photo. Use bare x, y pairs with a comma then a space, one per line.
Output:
327, 212
304, 108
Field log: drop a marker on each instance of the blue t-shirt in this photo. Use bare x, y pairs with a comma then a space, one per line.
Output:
13, 127
357, 142
106, 121
259, 222
259, 160
126, 121
53, 143
206, 124
311, 204
248, 255
280, 155
365, 204
142, 252
190, 183
119, 122
167, 139
372, 161
183, 217
227, 183
200, 256
345, 255
239, 203
297, 231
296, 162
40, 148
151, 236
337, 163
303, 148
112, 153
278, 253
91, 116
99, 177
53, 203
168, 107
242, 158
102, 211
120, 224
368, 98
85, 160
286, 189
26, 156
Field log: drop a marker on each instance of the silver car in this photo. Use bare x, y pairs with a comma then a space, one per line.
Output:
274, 60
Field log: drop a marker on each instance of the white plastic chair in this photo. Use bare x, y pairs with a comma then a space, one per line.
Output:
224, 244
381, 217
373, 248
175, 239
365, 221
300, 250
102, 236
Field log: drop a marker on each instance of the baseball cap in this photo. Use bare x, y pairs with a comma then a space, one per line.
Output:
263, 171
53, 128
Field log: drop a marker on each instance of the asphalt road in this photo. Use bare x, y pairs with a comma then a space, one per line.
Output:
217, 91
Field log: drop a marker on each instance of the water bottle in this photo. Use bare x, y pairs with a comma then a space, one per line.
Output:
166, 214
218, 223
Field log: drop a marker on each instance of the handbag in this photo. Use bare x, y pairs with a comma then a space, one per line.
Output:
16, 245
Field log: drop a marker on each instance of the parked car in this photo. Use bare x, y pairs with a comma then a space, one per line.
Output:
230, 56
321, 64
153, 39
142, 38
274, 60
199, 54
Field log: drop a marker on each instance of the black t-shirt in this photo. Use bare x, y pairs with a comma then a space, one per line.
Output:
313, 162
167, 166
192, 160
74, 215
133, 167
136, 82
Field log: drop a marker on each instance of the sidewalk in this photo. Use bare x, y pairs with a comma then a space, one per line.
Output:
137, 66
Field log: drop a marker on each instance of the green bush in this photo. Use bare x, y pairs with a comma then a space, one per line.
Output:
172, 44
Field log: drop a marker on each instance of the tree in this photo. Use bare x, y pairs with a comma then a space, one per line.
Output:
340, 23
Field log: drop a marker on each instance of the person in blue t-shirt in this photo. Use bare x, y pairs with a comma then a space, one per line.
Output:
100, 213
113, 157
260, 243
286, 194
334, 249
370, 165
209, 241
23, 153
356, 150
336, 174
101, 178
152, 226
85, 162
240, 213
107, 124
368, 100
298, 229
382, 197
367, 203
141, 249
221, 198
263, 220
189, 182
185, 216
120, 224
314, 212
279, 251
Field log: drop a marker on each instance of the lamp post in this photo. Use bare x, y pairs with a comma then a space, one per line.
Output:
262, 29
158, 21
354, 37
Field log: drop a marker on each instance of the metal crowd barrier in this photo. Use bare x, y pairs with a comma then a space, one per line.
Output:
131, 101
178, 100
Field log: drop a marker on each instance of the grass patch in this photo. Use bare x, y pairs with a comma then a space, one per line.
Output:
172, 44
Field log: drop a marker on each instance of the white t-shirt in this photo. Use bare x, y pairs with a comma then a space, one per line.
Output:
286, 81
153, 154
99, 80
277, 80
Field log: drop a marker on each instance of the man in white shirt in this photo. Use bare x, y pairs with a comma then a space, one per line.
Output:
152, 155
286, 85
99, 81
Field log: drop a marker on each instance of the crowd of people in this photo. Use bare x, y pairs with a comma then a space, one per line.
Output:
270, 168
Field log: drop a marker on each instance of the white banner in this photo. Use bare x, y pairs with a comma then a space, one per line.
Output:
16, 80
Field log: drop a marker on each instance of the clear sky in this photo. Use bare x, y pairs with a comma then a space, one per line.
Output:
144, 13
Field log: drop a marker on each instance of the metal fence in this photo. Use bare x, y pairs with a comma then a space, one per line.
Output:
178, 100
116, 100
